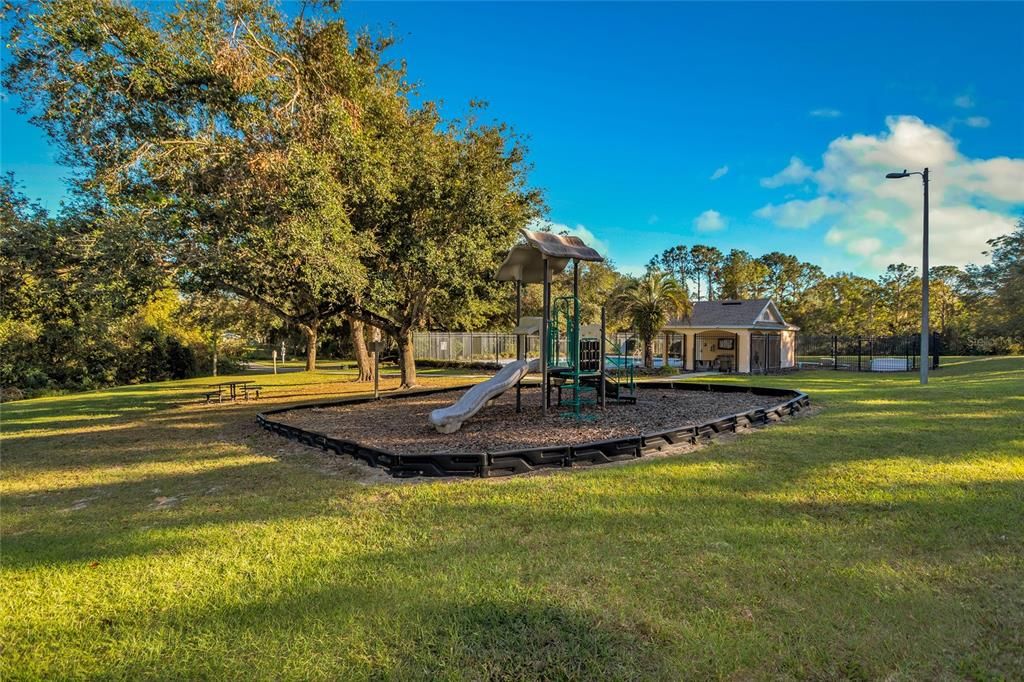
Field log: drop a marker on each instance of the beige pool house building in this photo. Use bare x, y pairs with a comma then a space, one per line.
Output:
745, 336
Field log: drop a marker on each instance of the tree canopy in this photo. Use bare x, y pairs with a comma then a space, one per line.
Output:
649, 302
281, 160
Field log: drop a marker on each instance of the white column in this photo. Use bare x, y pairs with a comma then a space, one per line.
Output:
743, 351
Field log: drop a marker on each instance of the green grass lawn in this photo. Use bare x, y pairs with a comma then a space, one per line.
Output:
146, 536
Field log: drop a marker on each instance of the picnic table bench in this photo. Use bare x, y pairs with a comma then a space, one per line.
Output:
217, 390
210, 395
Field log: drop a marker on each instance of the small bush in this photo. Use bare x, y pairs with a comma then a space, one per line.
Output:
10, 393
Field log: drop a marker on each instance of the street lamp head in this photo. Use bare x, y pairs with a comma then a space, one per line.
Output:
894, 176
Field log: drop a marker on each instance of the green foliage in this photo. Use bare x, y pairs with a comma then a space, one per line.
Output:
280, 160
67, 283
975, 310
1000, 286
705, 261
742, 276
81, 310
649, 302
901, 299
456, 209
844, 304
676, 261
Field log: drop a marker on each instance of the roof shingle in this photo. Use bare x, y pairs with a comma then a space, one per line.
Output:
728, 313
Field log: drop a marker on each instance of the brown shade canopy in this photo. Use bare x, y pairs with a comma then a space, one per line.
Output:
525, 262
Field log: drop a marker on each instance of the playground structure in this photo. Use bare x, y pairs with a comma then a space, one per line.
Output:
451, 418
573, 356
421, 433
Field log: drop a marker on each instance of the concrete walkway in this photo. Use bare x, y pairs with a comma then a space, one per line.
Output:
692, 375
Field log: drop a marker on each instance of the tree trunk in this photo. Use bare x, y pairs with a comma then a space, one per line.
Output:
311, 330
363, 358
648, 352
406, 358
215, 355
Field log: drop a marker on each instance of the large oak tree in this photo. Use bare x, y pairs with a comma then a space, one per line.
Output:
281, 160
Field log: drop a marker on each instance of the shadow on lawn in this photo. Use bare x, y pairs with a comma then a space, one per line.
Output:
650, 504
514, 636
473, 599
784, 458
622, 571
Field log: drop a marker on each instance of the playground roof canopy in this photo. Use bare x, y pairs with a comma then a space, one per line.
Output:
525, 262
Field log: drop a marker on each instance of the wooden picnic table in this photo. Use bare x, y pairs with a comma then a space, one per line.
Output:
232, 386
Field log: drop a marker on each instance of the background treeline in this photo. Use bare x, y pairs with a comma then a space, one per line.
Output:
977, 309
73, 318
244, 175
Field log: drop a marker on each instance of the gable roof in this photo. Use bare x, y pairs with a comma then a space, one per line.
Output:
734, 313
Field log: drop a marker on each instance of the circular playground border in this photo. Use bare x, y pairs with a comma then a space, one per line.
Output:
519, 461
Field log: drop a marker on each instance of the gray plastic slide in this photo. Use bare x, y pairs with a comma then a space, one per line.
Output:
450, 419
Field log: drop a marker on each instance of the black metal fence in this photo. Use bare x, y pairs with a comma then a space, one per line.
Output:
865, 353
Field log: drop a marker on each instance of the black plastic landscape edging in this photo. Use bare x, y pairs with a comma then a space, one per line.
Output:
508, 462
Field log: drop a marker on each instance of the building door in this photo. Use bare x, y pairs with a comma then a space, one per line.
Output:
765, 353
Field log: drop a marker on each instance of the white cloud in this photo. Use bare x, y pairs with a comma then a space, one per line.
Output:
972, 200
588, 237
825, 113
799, 214
978, 122
865, 246
964, 101
796, 171
1001, 178
709, 221
875, 215
719, 172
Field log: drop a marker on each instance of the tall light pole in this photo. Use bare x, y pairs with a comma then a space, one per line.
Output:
924, 273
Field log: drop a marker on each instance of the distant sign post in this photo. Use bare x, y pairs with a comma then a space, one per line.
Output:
275, 362
378, 348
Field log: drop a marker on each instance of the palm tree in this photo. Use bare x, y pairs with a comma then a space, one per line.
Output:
649, 302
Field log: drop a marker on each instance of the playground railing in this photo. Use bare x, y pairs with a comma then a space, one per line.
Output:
500, 347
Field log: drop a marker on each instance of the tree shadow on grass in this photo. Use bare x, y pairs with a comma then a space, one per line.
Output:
486, 581
451, 607
377, 622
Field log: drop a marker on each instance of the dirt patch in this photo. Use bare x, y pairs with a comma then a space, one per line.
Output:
401, 426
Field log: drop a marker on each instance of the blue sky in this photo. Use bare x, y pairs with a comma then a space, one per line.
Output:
756, 126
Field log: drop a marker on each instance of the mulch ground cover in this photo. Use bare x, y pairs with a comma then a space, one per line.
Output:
402, 426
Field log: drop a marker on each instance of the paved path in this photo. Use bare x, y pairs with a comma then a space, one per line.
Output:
692, 375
